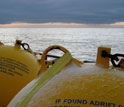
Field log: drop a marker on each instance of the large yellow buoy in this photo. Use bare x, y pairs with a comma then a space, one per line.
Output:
17, 68
90, 85
89, 89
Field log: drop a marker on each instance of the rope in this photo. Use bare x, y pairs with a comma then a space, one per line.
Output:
113, 57
53, 56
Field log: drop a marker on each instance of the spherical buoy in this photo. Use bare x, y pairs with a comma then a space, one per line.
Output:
88, 86
17, 68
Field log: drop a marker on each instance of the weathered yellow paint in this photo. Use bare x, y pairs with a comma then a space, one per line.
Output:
97, 86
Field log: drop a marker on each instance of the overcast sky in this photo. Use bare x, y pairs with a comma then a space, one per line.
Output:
76, 11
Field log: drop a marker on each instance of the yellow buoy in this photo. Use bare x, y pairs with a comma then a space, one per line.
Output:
17, 68
90, 85
102, 89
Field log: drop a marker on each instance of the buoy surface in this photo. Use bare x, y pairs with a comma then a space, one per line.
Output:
17, 69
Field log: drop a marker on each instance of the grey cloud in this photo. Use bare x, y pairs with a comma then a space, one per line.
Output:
78, 11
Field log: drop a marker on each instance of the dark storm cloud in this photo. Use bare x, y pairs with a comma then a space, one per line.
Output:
79, 11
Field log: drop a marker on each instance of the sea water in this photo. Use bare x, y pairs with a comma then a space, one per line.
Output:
81, 42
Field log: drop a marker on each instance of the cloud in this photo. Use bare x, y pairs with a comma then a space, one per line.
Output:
67, 11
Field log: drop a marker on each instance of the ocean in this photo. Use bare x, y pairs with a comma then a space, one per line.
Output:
81, 42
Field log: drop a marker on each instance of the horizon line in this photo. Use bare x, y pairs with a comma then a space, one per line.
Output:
57, 24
